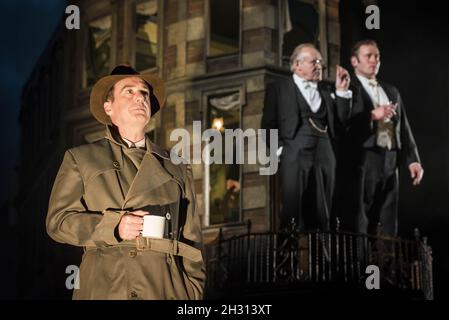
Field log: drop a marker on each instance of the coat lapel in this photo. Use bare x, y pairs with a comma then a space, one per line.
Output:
300, 99
388, 92
292, 92
151, 173
118, 163
325, 96
366, 100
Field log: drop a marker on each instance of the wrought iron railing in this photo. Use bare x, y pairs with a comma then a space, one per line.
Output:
291, 257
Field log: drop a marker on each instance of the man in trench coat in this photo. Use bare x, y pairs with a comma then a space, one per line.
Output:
103, 190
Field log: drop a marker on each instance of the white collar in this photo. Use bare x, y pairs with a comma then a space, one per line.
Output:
365, 81
138, 144
304, 84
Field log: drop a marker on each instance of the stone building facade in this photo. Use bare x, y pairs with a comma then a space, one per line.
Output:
215, 56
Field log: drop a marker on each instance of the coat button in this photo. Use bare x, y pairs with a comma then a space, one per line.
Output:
168, 260
168, 216
133, 294
116, 164
132, 253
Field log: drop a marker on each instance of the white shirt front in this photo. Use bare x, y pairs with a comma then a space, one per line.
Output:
377, 95
309, 90
374, 90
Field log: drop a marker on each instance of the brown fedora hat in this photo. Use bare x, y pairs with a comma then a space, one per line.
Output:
102, 87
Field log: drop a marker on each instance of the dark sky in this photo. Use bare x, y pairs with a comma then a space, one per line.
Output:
25, 28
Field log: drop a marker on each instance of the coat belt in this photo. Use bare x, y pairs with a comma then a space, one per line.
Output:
169, 246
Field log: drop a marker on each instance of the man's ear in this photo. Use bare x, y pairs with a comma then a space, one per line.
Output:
297, 64
107, 108
354, 61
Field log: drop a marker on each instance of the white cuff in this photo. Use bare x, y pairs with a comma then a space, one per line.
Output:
279, 151
344, 94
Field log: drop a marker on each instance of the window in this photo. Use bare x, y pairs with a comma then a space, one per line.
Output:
146, 34
303, 26
98, 49
222, 200
224, 27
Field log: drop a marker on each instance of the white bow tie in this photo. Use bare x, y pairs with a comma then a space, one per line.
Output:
373, 82
310, 84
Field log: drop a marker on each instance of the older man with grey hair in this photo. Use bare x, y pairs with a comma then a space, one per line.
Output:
308, 113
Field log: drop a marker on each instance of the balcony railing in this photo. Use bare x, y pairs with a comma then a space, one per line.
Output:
291, 257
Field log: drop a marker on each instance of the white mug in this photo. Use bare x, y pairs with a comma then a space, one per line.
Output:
153, 226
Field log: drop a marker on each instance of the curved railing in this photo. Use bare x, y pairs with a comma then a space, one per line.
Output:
291, 257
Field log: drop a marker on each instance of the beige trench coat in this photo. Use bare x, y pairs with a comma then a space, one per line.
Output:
87, 202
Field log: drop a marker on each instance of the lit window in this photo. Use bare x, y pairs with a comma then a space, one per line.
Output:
223, 180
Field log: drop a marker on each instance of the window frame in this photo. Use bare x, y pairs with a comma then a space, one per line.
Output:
85, 38
132, 35
205, 113
208, 36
